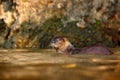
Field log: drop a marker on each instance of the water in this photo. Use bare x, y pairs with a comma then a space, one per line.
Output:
46, 64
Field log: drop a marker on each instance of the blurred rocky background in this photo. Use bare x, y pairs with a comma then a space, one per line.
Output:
33, 23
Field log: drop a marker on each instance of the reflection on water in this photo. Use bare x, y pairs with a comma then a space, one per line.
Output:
23, 64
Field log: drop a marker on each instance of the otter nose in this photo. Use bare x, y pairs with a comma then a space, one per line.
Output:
53, 41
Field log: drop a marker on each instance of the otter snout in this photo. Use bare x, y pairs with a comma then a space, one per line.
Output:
55, 42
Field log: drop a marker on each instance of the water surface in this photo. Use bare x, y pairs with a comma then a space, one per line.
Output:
46, 64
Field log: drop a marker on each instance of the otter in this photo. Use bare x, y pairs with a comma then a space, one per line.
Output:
62, 45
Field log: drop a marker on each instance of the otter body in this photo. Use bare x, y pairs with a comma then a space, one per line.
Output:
63, 45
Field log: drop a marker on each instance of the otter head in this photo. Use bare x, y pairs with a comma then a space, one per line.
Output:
57, 42
61, 44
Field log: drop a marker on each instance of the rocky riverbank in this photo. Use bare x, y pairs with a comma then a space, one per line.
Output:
32, 23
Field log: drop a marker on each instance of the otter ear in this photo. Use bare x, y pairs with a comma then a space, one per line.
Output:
65, 39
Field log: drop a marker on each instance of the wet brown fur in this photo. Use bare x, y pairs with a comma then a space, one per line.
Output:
63, 45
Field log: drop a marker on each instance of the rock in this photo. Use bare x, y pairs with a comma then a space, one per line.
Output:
32, 14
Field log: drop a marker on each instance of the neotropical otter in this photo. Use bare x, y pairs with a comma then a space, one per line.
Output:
63, 45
